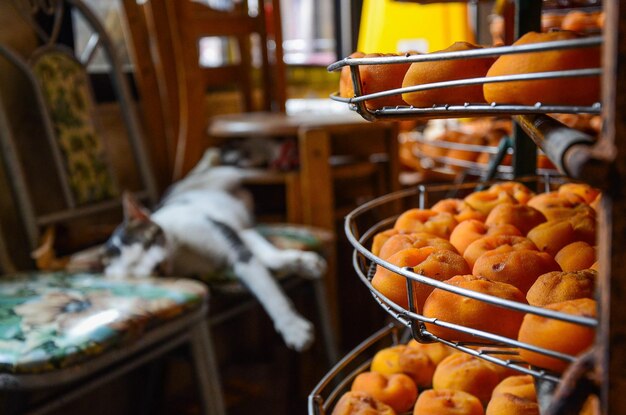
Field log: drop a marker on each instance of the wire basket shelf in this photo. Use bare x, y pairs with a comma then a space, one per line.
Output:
365, 263
446, 165
337, 381
468, 109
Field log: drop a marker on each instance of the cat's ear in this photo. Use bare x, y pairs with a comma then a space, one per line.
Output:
133, 209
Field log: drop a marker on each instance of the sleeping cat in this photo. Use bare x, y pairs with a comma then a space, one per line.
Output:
202, 224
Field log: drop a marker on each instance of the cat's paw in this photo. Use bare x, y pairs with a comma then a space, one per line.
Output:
297, 332
306, 264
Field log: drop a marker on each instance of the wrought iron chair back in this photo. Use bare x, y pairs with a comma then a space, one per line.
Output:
95, 329
79, 178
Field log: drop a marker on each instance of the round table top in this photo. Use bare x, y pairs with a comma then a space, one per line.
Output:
276, 124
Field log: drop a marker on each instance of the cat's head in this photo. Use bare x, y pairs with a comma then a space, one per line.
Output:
137, 247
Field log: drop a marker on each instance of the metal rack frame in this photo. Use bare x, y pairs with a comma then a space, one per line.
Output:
489, 170
357, 102
602, 164
328, 390
364, 262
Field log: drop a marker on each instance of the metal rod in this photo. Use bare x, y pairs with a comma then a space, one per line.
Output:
524, 161
315, 398
456, 111
478, 168
24, 198
572, 73
504, 147
455, 146
555, 139
473, 53
122, 89
349, 226
90, 49
496, 341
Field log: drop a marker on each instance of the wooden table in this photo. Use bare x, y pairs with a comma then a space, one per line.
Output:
271, 124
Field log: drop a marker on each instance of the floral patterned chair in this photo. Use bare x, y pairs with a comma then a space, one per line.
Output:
77, 331
72, 332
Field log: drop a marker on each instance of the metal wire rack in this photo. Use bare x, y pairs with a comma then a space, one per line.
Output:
338, 380
571, 4
470, 167
467, 109
365, 263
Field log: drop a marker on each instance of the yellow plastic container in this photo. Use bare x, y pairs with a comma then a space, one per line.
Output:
389, 26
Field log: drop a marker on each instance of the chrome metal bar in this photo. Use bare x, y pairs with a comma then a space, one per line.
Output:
57, 156
473, 53
473, 166
517, 365
555, 139
120, 84
455, 111
407, 321
90, 49
572, 73
455, 146
512, 305
366, 269
315, 399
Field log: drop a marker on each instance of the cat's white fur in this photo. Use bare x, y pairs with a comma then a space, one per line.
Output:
195, 245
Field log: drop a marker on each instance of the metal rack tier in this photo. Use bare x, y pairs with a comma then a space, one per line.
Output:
357, 103
469, 167
365, 262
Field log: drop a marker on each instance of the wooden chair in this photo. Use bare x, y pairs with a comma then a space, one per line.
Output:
64, 334
169, 63
344, 161
166, 38
343, 165
161, 55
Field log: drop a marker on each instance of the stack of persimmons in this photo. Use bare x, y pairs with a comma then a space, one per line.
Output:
432, 152
434, 379
505, 241
574, 20
484, 132
564, 91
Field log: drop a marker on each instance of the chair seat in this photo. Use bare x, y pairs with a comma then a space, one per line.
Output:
50, 321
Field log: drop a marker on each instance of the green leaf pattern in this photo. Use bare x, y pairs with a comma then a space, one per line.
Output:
67, 98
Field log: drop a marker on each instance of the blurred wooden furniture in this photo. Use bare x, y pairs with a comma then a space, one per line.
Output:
332, 148
71, 332
343, 165
344, 161
243, 74
169, 73
166, 35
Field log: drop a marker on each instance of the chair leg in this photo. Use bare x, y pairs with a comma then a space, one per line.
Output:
153, 387
13, 402
206, 368
323, 309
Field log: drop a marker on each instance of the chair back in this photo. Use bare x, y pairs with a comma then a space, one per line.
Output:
202, 59
65, 168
